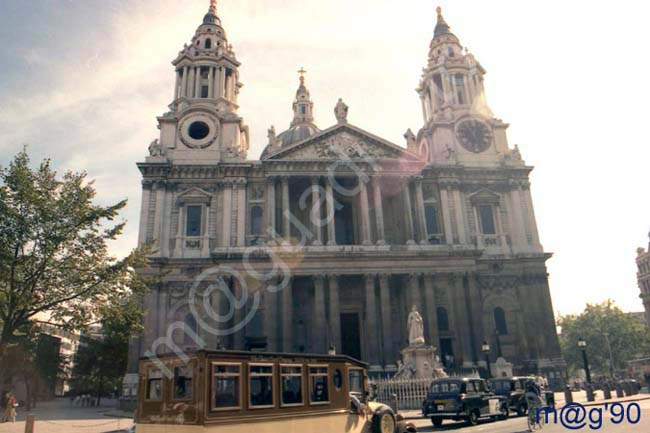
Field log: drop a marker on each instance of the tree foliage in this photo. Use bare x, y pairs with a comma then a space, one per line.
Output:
54, 260
604, 327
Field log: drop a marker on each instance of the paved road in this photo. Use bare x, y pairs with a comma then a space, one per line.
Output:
519, 425
59, 417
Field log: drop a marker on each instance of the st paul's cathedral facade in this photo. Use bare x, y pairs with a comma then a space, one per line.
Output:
334, 234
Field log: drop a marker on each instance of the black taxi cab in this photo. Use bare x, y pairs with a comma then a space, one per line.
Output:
243, 392
462, 399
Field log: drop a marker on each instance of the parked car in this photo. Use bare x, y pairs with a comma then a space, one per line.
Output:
514, 389
462, 399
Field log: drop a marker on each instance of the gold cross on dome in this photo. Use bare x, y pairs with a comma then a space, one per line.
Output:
302, 73
213, 5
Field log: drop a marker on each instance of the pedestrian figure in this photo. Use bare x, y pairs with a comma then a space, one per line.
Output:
10, 411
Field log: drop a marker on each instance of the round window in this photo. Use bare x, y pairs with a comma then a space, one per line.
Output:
338, 379
198, 130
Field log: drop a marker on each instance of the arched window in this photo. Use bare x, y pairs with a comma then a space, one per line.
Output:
257, 214
208, 43
500, 321
443, 319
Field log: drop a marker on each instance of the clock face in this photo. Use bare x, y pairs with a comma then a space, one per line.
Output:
474, 135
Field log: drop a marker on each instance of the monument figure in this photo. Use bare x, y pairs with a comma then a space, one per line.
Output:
415, 328
341, 112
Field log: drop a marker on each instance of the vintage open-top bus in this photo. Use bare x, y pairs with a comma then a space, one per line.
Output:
259, 392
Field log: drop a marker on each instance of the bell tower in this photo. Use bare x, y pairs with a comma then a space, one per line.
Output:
458, 125
202, 125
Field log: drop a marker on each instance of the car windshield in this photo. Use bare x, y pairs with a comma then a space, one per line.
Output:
500, 385
442, 387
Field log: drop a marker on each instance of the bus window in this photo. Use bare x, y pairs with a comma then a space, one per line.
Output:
226, 384
183, 383
318, 385
154, 384
291, 379
356, 380
261, 386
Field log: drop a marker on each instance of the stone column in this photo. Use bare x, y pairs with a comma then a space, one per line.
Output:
205, 239
532, 220
320, 343
159, 188
448, 95
144, 212
460, 216
190, 82
431, 311
287, 318
197, 82
365, 214
286, 220
406, 194
414, 292
519, 231
177, 84
227, 213
271, 299
184, 82
385, 303
329, 197
211, 82
335, 314
379, 211
239, 338
222, 81
241, 213
372, 342
446, 217
421, 218
270, 208
316, 228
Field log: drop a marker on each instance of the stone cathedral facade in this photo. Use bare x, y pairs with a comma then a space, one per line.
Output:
364, 228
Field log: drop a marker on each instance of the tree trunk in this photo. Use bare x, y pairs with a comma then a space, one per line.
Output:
99, 391
28, 391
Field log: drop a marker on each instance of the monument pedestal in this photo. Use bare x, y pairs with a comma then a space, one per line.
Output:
502, 368
419, 362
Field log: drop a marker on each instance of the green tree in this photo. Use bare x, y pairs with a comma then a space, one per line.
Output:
101, 361
608, 331
54, 260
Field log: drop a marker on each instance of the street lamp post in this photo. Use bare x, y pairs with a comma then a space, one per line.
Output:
582, 344
485, 348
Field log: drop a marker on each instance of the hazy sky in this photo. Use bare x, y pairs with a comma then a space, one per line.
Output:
81, 81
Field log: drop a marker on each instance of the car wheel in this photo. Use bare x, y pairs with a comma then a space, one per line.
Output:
383, 421
473, 417
505, 412
437, 422
521, 410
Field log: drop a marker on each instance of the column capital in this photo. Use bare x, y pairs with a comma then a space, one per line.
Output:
383, 276
370, 276
332, 276
319, 279
284, 179
315, 180
271, 179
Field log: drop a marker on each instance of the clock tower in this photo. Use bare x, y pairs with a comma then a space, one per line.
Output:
202, 125
459, 128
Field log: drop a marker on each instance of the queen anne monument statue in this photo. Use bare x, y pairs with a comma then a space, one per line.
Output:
419, 361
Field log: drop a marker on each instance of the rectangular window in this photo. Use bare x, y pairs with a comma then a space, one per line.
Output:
260, 386
291, 378
154, 384
355, 377
318, 385
431, 215
183, 383
226, 383
204, 91
486, 217
459, 81
205, 72
193, 221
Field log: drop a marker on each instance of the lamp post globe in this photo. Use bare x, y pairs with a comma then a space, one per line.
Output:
485, 348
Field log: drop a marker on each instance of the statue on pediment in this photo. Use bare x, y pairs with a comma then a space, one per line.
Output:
273, 138
341, 112
410, 140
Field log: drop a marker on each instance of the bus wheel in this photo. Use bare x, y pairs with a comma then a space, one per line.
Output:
383, 421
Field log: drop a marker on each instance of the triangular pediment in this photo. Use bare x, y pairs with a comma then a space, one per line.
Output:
343, 142
194, 195
485, 196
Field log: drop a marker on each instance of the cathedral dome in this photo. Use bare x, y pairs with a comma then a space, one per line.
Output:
298, 133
